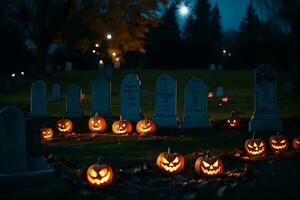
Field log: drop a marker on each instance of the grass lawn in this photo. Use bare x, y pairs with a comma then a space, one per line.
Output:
239, 84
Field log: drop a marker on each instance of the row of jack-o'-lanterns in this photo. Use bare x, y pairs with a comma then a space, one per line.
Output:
97, 124
277, 143
98, 176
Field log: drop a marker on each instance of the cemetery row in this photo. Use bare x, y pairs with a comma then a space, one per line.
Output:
195, 100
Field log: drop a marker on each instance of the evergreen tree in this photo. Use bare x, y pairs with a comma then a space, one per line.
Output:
250, 39
217, 34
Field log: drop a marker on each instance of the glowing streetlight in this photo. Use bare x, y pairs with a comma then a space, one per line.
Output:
109, 36
184, 10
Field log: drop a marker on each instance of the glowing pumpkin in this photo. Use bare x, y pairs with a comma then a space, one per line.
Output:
225, 99
255, 147
146, 127
99, 175
121, 127
97, 124
278, 143
234, 121
64, 126
296, 143
209, 166
170, 163
210, 94
46, 133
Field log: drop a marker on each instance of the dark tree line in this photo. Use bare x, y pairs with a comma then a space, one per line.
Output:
256, 42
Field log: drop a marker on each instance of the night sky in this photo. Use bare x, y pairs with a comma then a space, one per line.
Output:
232, 12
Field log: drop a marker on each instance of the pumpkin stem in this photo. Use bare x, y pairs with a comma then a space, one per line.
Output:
96, 114
99, 159
253, 135
169, 149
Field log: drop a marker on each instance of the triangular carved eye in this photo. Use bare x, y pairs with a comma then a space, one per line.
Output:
216, 164
103, 172
205, 164
93, 173
176, 160
261, 145
250, 146
165, 161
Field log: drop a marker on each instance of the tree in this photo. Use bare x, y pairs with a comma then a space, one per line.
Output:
217, 34
250, 36
78, 24
164, 41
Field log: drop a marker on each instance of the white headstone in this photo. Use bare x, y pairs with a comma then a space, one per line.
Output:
13, 155
130, 97
219, 91
212, 67
166, 102
117, 65
38, 99
56, 92
68, 66
265, 116
195, 104
101, 96
73, 101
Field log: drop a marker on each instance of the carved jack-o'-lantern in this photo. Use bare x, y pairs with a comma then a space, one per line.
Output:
278, 143
255, 147
99, 175
46, 133
145, 127
296, 143
121, 127
170, 163
234, 121
97, 124
209, 166
210, 94
64, 126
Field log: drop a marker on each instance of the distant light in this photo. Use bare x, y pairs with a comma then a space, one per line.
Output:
94, 51
184, 10
13, 75
101, 62
117, 59
97, 45
109, 36
22, 73
224, 51
114, 54
229, 54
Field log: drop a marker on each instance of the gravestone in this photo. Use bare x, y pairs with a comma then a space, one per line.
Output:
195, 104
101, 96
219, 91
73, 101
56, 92
212, 67
130, 97
13, 155
265, 116
117, 65
166, 102
38, 99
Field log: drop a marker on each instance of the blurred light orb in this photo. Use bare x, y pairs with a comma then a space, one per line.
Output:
22, 73
101, 62
184, 10
97, 45
94, 51
109, 36
13, 75
114, 54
